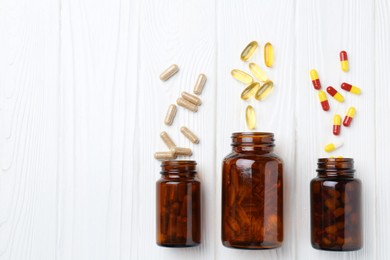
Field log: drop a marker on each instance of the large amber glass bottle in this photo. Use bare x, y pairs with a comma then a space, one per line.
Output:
178, 205
336, 218
252, 193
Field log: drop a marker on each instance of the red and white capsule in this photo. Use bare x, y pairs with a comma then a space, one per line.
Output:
344, 61
349, 116
315, 79
350, 88
336, 124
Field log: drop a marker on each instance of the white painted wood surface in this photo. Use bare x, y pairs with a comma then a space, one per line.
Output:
81, 109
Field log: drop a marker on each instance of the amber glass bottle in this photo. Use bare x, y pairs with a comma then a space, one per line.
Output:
178, 205
252, 193
336, 218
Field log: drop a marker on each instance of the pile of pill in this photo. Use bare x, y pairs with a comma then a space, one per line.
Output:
259, 89
188, 101
337, 120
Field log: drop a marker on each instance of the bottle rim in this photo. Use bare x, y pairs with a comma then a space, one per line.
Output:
178, 167
335, 167
253, 139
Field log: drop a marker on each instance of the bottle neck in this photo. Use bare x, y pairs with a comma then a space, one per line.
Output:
253, 142
335, 167
178, 169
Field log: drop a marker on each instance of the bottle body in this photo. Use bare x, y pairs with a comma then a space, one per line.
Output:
252, 194
336, 218
178, 205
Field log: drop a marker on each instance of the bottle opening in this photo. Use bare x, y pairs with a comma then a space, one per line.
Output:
253, 139
178, 166
335, 166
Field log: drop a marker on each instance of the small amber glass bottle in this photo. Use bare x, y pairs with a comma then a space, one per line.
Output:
178, 205
336, 218
252, 193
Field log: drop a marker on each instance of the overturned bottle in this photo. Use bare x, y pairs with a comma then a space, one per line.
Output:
336, 218
252, 193
178, 208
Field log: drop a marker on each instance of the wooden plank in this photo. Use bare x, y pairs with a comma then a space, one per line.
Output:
180, 32
94, 87
29, 79
382, 126
238, 24
323, 30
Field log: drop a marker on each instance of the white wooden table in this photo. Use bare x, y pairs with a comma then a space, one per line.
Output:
82, 106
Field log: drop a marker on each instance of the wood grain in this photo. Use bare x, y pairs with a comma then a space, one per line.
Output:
82, 106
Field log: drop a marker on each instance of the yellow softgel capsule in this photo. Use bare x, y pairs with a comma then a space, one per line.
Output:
258, 72
250, 116
250, 90
333, 146
268, 55
264, 90
249, 50
242, 76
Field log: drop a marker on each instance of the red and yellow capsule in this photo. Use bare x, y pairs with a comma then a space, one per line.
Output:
335, 94
344, 61
315, 79
349, 116
323, 100
350, 88
336, 124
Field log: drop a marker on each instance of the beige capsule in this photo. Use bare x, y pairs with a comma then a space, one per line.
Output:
165, 155
192, 98
169, 72
167, 140
186, 104
189, 134
199, 85
171, 113
182, 151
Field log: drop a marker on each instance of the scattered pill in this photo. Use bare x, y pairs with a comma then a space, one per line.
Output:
181, 151
323, 100
242, 76
199, 85
333, 146
349, 116
264, 90
189, 134
344, 61
250, 116
186, 104
315, 79
258, 72
169, 72
171, 113
249, 50
165, 155
191, 98
250, 90
350, 88
167, 140
335, 94
336, 124
268, 55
